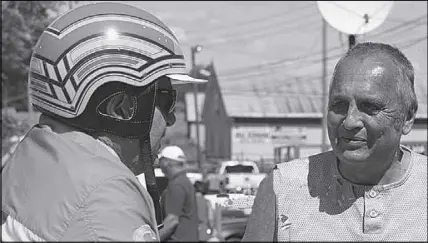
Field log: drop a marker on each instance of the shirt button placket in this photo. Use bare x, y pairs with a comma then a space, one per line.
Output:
373, 193
373, 216
373, 213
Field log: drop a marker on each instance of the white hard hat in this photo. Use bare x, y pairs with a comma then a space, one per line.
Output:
173, 152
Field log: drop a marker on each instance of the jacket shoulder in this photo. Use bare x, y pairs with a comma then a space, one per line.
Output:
64, 170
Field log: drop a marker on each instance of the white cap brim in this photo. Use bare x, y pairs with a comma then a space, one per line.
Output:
178, 159
184, 78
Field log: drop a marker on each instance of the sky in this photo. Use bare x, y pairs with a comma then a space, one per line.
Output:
277, 39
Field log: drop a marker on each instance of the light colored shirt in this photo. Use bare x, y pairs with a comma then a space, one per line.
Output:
308, 200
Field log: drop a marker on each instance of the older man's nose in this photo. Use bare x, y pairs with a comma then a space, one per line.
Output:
352, 119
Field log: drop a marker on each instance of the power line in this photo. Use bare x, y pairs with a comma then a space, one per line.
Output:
257, 29
311, 49
389, 34
415, 20
225, 45
282, 80
269, 33
252, 75
262, 31
255, 75
412, 42
276, 93
270, 65
239, 76
258, 20
277, 62
362, 16
312, 62
282, 61
407, 44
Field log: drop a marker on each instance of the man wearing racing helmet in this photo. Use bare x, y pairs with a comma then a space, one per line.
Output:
102, 75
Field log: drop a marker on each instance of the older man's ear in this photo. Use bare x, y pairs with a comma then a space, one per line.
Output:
408, 123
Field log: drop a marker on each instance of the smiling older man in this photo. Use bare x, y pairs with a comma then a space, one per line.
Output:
369, 187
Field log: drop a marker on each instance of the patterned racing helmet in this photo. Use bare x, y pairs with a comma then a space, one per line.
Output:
98, 43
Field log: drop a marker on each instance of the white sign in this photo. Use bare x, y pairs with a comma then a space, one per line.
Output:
268, 135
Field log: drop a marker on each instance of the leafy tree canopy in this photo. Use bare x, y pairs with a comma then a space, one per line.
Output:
22, 24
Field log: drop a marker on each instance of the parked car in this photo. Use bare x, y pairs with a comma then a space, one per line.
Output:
236, 177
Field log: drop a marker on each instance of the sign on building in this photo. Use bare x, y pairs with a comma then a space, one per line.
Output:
259, 142
269, 135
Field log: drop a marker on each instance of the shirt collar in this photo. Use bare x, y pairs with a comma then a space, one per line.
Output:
407, 156
343, 192
77, 136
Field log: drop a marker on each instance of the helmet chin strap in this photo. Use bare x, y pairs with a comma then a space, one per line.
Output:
146, 159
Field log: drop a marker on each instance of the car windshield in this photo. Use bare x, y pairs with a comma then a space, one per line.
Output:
239, 169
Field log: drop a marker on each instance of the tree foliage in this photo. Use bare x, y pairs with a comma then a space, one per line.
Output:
22, 24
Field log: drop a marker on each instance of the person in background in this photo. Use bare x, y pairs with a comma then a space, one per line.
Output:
101, 75
205, 213
369, 187
179, 197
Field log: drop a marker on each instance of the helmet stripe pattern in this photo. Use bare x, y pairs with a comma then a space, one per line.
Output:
61, 33
79, 52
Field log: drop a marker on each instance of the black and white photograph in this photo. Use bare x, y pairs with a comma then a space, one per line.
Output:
214, 121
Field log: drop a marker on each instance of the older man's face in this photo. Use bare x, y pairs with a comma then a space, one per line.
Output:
364, 110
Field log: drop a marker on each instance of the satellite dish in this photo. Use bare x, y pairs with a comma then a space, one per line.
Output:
354, 17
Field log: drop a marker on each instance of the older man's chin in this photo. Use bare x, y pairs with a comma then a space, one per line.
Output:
353, 156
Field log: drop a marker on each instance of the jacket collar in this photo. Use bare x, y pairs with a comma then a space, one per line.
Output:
75, 135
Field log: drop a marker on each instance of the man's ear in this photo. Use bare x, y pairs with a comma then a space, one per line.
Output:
408, 123
120, 106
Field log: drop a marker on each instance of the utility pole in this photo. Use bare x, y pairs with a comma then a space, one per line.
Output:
194, 50
351, 40
324, 87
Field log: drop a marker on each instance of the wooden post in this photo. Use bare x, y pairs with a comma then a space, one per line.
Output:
324, 88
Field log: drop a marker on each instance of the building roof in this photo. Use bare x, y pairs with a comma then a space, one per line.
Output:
189, 99
272, 105
258, 97
272, 99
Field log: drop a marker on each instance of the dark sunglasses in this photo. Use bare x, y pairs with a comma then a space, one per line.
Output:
166, 99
